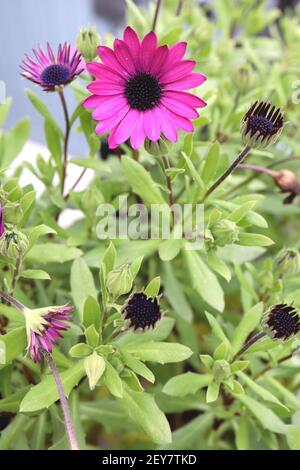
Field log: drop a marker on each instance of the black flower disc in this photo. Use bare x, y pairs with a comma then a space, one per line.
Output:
283, 321
142, 311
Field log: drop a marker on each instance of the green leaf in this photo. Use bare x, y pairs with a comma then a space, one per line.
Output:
194, 173
12, 345
91, 313
141, 182
38, 232
267, 418
293, 437
80, 350
11, 403
160, 332
82, 283
212, 392
189, 435
137, 366
45, 393
159, 352
54, 144
34, 274
92, 163
260, 391
4, 110
11, 433
204, 281
144, 412
211, 163
216, 328
175, 295
153, 287
43, 110
254, 239
246, 326
112, 381
186, 384
14, 141
218, 265
45, 253
109, 258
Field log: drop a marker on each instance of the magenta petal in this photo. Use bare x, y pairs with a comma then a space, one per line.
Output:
179, 107
148, 47
99, 87
126, 126
160, 58
186, 98
177, 51
167, 125
178, 71
152, 125
132, 41
138, 134
109, 59
111, 140
186, 83
109, 107
182, 123
101, 71
92, 102
111, 122
124, 56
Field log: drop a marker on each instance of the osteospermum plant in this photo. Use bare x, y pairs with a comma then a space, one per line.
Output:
126, 333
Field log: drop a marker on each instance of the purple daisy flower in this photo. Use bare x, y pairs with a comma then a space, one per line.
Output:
2, 227
44, 327
49, 71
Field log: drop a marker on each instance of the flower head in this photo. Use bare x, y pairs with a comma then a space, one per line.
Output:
44, 327
2, 227
261, 125
138, 90
282, 321
288, 182
142, 311
51, 72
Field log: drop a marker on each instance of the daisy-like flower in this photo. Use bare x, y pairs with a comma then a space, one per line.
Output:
138, 90
2, 227
142, 312
44, 327
49, 71
282, 321
261, 125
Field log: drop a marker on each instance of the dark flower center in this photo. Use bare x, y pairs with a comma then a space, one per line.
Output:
284, 320
55, 75
143, 312
262, 125
143, 91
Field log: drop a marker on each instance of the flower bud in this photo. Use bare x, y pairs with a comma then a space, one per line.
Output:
13, 243
221, 370
94, 367
242, 78
119, 281
160, 147
288, 261
225, 232
288, 182
261, 125
87, 43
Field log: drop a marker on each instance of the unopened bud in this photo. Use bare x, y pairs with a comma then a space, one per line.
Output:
94, 367
87, 43
160, 147
221, 370
13, 243
242, 78
119, 281
225, 232
288, 261
288, 182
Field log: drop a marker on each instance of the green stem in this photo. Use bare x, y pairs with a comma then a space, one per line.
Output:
16, 273
169, 181
11, 300
157, 9
239, 159
249, 343
179, 7
66, 141
64, 403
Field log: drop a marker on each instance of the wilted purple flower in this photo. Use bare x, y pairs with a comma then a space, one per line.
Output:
49, 71
2, 228
44, 327
141, 311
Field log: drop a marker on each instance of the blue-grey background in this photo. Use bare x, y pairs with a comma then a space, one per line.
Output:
26, 23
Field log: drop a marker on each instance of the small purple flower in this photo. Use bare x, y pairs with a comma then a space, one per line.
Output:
2, 228
49, 71
44, 327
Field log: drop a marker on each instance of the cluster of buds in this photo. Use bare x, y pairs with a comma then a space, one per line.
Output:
88, 42
225, 232
13, 243
158, 148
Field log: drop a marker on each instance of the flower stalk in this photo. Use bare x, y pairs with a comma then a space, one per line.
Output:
66, 140
157, 9
70, 430
249, 343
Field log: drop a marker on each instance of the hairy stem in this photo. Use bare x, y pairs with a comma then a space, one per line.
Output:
66, 141
169, 181
64, 403
16, 273
249, 343
259, 169
239, 159
75, 184
157, 9
11, 300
